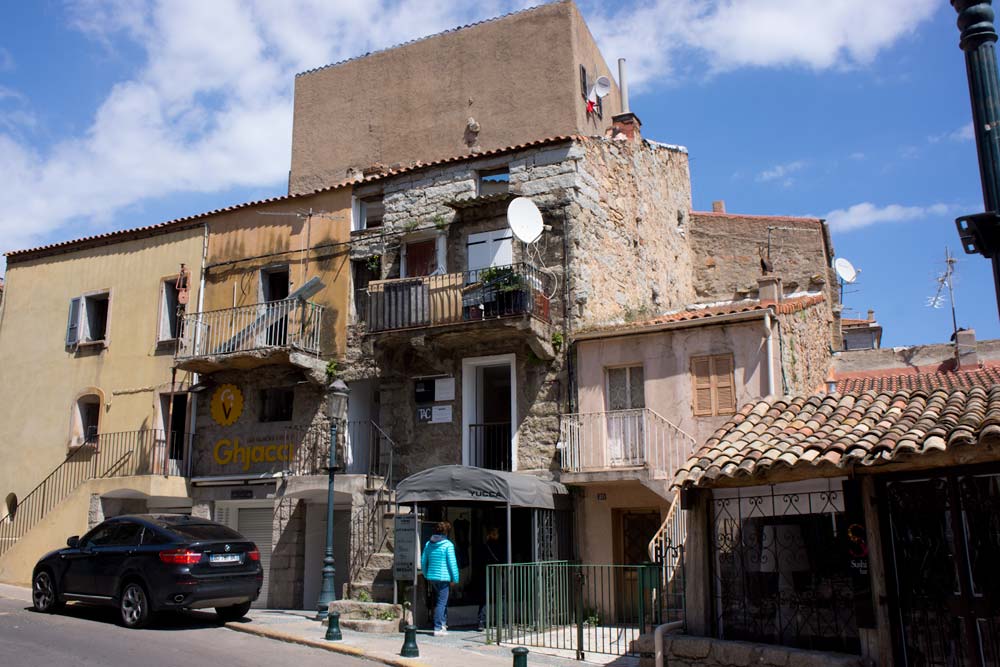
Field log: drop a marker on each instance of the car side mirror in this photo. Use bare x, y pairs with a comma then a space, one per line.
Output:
73, 542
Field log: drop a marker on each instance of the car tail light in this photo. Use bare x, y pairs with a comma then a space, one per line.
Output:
253, 554
180, 557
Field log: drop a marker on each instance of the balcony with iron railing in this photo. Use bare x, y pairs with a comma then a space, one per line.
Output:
490, 446
268, 332
499, 293
621, 444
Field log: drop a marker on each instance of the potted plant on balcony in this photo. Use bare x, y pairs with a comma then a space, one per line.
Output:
504, 291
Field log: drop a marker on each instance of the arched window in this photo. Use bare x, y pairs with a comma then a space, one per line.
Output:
85, 420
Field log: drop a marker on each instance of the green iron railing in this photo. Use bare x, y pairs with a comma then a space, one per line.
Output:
585, 608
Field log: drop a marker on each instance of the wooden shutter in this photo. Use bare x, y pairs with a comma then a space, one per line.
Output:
701, 373
73, 322
722, 379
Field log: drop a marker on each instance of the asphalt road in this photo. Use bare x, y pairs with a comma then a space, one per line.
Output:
82, 635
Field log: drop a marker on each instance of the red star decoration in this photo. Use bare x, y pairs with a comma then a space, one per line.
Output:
591, 106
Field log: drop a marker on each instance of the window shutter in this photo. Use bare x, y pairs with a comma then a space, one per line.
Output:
73, 323
478, 246
701, 372
502, 250
722, 378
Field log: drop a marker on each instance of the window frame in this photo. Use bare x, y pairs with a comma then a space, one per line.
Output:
359, 211
263, 417
160, 337
628, 368
82, 321
483, 175
713, 359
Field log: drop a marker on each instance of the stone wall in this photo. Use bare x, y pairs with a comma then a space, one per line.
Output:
629, 257
286, 579
806, 355
684, 651
727, 252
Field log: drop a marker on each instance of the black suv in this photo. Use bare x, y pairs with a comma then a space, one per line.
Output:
146, 563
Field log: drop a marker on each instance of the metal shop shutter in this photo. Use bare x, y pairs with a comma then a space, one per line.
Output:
255, 523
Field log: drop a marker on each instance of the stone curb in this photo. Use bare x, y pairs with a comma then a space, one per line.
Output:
325, 645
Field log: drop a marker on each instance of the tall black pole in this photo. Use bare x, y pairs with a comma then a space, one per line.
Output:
981, 233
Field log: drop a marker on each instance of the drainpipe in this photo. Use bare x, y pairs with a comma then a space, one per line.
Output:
768, 335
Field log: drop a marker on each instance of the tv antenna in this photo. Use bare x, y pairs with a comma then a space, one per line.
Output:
846, 272
945, 280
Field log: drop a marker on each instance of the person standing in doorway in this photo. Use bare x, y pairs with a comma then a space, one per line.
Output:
441, 571
488, 553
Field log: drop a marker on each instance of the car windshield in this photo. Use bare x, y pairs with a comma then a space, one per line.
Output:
206, 531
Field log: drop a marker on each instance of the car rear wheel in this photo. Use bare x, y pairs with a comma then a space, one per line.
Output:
233, 613
134, 605
44, 596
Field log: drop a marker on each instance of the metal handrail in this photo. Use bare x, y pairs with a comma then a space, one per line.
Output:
667, 550
368, 531
639, 437
490, 446
102, 455
453, 298
288, 323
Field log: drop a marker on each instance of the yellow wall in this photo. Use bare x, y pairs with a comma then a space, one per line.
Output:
42, 377
243, 242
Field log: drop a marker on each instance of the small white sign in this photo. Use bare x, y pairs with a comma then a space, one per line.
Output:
441, 414
444, 390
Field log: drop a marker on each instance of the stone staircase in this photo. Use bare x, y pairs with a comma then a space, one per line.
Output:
372, 576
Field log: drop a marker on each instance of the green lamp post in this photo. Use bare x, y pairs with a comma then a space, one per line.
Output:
336, 410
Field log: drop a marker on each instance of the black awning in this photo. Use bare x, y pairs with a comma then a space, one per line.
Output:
468, 484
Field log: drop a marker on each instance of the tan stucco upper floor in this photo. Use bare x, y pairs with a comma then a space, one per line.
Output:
485, 86
123, 354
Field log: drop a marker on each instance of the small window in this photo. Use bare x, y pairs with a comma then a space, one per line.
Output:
368, 212
626, 390
276, 404
714, 387
494, 181
88, 319
170, 311
89, 417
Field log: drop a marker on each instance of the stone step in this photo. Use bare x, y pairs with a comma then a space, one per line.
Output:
381, 560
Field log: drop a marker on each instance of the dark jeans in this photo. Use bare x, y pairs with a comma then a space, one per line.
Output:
441, 605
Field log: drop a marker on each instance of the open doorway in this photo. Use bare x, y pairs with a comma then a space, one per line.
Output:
174, 415
489, 412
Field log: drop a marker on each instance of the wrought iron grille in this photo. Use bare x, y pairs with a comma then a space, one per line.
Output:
781, 571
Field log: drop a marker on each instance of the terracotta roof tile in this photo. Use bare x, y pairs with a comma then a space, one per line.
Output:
393, 171
863, 428
987, 373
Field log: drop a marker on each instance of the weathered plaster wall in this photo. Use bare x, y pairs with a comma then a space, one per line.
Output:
806, 355
726, 251
666, 360
263, 236
43, 377
517, 76
594, 516
629, 255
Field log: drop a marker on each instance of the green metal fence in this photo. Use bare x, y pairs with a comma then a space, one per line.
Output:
582, 608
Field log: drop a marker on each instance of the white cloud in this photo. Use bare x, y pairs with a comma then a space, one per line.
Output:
866, 214
962, 134
781, 172
207, 105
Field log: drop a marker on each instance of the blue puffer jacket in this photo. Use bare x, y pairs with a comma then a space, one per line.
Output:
438, 560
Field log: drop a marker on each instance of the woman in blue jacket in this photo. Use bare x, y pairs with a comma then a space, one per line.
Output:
441, 571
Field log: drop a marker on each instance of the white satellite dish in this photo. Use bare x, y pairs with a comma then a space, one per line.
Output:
524, 219
845, 270
602, 86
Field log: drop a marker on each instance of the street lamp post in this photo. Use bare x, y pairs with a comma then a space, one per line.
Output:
336, 409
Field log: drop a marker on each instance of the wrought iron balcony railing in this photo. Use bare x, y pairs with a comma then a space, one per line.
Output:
490, 446
289, 323
595, 441
453, 298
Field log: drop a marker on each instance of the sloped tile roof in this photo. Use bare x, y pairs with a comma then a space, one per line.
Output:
836, 430
698, 312
987, 374
180, 223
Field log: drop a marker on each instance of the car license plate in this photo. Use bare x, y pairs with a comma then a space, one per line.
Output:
224, 559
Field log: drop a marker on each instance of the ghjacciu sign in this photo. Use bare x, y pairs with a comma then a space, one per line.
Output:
230, 452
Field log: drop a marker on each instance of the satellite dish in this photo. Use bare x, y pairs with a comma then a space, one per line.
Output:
845, 270
602, 86
524, 219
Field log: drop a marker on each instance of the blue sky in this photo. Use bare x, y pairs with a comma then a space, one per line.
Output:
122, 114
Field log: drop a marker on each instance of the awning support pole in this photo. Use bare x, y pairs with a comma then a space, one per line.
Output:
510, 536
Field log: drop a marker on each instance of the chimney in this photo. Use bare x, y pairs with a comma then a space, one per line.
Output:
769, 290
965, 349
719, 206
871, 315
626, 125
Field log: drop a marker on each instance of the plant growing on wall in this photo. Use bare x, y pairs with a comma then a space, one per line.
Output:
557, 341
375, 264
440, 222
331, 369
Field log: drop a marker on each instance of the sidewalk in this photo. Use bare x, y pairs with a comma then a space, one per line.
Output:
460, 648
